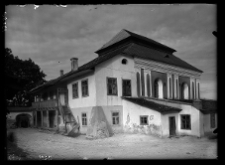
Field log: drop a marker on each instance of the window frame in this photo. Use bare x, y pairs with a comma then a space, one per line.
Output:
82, 88
107, 85
82, 121
76, 83
142, 116
186, 126
115, 117
123, 87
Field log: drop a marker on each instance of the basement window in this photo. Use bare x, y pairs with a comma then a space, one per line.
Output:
143, 120
115, 118
186, 122
84, 119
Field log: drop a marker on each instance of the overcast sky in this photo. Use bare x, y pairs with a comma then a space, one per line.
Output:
50, 35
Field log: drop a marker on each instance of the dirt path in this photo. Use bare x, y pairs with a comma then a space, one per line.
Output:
120, 146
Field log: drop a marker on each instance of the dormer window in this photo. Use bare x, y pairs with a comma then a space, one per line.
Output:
124, 61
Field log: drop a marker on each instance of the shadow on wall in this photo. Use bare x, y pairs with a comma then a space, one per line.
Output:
23, 120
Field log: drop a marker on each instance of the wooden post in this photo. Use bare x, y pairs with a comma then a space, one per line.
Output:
42, 119
47, 118
56, 118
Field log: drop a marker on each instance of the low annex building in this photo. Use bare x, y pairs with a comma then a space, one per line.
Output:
138, 84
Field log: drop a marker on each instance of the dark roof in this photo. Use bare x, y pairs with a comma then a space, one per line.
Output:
208, 106
151, 54
19, 109
164, 109
123, 34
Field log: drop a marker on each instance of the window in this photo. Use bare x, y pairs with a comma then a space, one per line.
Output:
213, 120
124, 61
126, 87
112, 86
84, 119
84, 85
138, 84
115, 118
75, 90
142, 82
185, 122
144, 120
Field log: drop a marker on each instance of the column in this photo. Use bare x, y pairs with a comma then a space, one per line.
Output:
47, 118
168, 86
150, 79
178, 88
42, 119
56, 118
35, 115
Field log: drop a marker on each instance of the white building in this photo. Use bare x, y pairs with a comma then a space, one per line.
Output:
138, 83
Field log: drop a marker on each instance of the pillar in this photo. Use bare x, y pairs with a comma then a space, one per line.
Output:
56, 118
35, 112
47, 118
150, 79
42, 119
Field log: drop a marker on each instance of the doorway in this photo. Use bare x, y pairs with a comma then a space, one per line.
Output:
51, 119
172, 126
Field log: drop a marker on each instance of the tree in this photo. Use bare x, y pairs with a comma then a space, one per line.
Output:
20, 77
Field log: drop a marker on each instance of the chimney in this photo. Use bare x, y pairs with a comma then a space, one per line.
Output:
74, 63
61, 72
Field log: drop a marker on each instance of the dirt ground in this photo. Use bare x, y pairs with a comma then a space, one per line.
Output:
39, 143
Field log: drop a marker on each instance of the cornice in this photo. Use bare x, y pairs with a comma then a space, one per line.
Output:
164, 68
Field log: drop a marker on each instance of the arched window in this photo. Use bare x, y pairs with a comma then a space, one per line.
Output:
138, 83
158, 85
142, 82
193, 91
170, 87
185, 91
148, 84
124, 61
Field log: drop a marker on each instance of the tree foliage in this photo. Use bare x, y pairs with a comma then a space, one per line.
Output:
20, 77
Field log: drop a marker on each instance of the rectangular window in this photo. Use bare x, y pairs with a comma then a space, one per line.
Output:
213, 120
143, 120
84, 118
115, 118
111, 86
126, 87
186, 122
75, 90
84, 85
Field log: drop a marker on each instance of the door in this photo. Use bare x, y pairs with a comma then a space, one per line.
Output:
172, 126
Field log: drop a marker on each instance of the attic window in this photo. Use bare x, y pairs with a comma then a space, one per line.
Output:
124, 61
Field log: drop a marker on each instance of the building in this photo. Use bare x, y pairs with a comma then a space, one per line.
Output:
137, 82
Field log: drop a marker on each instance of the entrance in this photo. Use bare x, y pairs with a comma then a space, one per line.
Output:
39, 119
51, 119
172, 126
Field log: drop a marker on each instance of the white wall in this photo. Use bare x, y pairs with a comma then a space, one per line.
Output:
135, 111
186, 109
81, 101
114, 68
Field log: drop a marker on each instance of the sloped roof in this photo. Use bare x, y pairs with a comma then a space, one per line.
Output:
164, 109
208, 106
123, 34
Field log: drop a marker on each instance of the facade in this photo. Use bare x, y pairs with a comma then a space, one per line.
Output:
137, 82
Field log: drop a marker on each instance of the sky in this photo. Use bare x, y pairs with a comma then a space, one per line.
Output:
50, 35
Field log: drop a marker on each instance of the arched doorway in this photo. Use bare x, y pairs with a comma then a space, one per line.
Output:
185, 91
158, 88
23, 120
